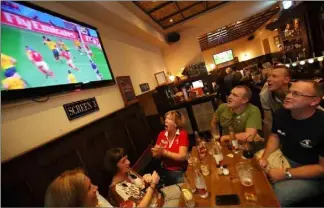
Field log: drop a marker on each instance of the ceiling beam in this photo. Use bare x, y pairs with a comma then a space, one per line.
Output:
179, 11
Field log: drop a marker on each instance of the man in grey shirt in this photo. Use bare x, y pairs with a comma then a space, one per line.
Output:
273, 94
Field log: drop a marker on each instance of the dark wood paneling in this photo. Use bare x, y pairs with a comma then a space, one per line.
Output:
26, 178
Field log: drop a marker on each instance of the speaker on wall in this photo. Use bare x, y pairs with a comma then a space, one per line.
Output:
173, 37
251, 37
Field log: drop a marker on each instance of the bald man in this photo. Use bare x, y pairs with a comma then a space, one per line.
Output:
273, 95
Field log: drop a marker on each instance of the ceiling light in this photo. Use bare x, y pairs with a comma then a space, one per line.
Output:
286, 4
172, 78
171, 20
287, 65
310, 61
302, 62
212, 66
238, 22
276, 29
294, 64
320, 58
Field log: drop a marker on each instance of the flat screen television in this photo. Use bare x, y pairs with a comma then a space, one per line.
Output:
44, 53
223, 57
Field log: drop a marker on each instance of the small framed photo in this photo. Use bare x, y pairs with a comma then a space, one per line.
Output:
276, 40
126, 89
144, 87
160, 78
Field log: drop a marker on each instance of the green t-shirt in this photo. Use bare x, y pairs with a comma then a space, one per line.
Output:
249, 118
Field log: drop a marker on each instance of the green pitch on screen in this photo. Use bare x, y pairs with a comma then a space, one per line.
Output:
14, 41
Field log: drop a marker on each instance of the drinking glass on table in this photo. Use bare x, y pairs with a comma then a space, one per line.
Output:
192, 159
245, 173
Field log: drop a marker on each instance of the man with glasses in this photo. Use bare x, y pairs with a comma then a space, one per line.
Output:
273, 95
244, 117
298, 130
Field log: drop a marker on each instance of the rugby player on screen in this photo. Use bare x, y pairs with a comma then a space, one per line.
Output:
52, 46
37, 59
68, 59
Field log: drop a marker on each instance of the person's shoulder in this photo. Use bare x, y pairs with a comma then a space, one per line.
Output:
222, 106
265, 92
183, 131
319, 114
162, 133
253, 108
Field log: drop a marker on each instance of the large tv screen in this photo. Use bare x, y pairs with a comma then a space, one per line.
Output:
43, 52
223, 57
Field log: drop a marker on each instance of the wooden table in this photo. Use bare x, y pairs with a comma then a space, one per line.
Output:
219, 185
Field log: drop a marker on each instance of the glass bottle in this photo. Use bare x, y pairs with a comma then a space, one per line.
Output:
201, 146
218, 155
233, 139
200, 183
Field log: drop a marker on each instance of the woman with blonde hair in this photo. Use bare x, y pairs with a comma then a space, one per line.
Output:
172, 147
74, 189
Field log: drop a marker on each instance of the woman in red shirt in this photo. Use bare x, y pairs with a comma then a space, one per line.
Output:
172, 147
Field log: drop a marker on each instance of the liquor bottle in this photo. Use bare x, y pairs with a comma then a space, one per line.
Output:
200, 184
233, 139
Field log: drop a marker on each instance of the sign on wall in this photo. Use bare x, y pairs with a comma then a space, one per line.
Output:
81, 108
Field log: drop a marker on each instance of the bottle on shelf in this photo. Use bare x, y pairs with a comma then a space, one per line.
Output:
200, 183
233, 140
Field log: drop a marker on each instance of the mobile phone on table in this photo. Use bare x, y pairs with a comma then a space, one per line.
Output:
231, 199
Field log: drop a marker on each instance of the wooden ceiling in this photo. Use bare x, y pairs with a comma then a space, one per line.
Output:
236, 30
170, 13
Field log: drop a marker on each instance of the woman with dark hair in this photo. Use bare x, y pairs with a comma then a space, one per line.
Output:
129, 189
172, 147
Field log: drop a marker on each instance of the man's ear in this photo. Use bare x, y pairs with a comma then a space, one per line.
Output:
316, 101
287, 80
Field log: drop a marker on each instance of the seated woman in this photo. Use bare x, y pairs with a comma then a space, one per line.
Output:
128, 189
74, 189
172, 147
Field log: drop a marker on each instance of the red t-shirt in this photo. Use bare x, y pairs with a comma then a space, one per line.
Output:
36, 57
180, 140
65, 55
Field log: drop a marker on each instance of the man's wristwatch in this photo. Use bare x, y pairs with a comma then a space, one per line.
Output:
288, 174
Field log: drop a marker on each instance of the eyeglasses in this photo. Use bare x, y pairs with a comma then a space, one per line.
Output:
298, 94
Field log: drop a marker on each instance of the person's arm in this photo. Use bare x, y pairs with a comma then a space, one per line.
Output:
308, 171
248, 135
182, 155
267, 124
272, 145
213, 123
146, 200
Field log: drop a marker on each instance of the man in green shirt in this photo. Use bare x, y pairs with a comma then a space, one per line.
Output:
244, 117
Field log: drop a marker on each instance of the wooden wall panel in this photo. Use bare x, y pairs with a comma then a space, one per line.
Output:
26, 178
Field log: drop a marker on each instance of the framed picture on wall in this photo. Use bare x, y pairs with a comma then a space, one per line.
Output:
126, 88
144, 87
160, 78
276, 40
